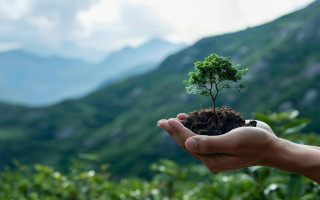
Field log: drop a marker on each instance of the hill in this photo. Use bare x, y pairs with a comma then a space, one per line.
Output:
31, 79
118, 122
37, 81
133, 61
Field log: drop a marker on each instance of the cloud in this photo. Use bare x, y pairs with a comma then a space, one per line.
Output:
193, 19
91, 28
15, 9
143, 20
127, 24
77, 28
9, 46
102, 12
43, 26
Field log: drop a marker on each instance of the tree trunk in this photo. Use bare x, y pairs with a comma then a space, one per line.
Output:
214, 106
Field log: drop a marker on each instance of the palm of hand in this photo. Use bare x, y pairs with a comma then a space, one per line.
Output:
241, 147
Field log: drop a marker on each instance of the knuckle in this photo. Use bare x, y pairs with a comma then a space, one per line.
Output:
208, 145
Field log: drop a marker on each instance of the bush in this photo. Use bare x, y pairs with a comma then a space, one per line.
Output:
169, 180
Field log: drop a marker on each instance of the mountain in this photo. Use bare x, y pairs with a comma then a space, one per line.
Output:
137, 60
37, 81
66, 49
30, 79
118, 122
154, 50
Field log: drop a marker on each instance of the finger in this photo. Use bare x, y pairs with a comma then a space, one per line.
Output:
182, 116
159, 122
180, 133
195, 155
164, 125
212, 144
219, 163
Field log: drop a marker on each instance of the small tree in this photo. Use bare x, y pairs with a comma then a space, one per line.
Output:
212, 75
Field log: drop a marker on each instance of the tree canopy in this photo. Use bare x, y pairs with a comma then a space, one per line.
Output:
214, 74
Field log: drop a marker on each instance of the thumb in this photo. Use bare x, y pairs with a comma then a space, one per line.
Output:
210, 144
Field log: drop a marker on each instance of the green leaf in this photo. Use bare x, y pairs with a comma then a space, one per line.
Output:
295, 129
295, 187
296, 123
265, 119
292, 114
213, 73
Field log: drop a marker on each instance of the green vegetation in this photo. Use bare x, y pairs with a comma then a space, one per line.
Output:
284, 123
212, 75
87, 179
117, 124
168, 181
283, 58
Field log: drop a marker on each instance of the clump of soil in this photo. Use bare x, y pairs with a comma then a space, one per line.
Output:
205, 122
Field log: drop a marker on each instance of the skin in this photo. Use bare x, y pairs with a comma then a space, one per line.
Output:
244, 147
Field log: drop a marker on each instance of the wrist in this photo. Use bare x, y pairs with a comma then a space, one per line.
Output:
296, 158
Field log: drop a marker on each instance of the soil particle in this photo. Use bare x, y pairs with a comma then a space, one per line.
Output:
205, 122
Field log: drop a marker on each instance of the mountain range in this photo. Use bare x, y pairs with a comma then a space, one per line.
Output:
118, 121
37, 81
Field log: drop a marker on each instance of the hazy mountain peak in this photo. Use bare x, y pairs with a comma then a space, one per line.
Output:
153, 51
158, 42
41, 80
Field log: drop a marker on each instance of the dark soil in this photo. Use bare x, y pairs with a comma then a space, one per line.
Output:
205, 122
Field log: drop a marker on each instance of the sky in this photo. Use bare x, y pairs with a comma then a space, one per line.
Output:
90, 29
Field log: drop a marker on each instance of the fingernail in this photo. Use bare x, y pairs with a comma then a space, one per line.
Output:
192, 144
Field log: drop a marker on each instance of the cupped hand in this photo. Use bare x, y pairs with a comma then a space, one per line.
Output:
241, 147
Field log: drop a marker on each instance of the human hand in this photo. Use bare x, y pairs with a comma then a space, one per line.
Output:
241, 147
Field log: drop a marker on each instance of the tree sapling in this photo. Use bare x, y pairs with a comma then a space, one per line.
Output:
209, 78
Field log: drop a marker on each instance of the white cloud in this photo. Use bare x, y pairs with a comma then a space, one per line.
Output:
104, 12
193, 19
45, 26
127, 24
15, 9
88, 28
9, 46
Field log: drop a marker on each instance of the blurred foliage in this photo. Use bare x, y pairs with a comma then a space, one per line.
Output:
284, 123
86, 180
169, 181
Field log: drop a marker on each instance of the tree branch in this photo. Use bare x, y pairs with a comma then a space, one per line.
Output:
223, 86
219, 82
